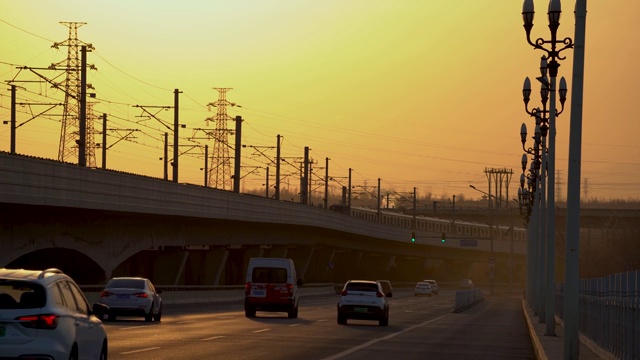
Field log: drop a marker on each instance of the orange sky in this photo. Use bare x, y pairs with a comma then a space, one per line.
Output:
422, 94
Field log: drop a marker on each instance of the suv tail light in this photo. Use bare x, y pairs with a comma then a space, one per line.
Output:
247, 288
141, 295
343, 293
379, 294
289, 288
105, 293
46, 321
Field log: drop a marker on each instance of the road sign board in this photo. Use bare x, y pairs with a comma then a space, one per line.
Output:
468, 242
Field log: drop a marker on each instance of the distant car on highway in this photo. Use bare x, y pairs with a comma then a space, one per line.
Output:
423, 288
387, 289
132, 296
44, 315
466, 284
434, 286
363, 300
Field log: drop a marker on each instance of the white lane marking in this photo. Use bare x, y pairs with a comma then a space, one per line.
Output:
321, 320
212, 338
259, 331
131, 327
371, 342
226, 317
295, 324
139, 350
185, 322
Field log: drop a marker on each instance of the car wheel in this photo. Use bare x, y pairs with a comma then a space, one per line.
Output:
249, 312
342, 320
74, 353
384, 321
293, 312
149, 317
158, 316
104, 352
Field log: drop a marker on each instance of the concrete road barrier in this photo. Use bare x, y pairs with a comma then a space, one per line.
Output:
467, 298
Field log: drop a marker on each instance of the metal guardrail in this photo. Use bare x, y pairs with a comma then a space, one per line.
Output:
609, 312
182, 288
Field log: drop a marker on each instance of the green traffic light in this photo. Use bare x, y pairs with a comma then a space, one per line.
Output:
413, 237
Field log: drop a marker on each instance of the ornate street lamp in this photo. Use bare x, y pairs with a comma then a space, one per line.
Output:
552, 56
532, 204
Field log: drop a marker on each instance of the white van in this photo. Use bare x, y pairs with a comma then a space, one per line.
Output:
271, 285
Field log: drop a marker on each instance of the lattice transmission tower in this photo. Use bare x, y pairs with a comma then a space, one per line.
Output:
219, 176
91, 140
497, 179
70, 129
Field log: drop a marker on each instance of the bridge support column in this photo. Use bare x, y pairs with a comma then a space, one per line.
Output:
108, 273
306, 263
185, 256
391, 263
223, 263
330, 266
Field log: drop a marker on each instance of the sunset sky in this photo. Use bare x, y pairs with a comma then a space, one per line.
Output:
419, 93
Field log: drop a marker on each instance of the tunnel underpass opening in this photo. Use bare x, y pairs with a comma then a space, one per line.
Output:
77, 265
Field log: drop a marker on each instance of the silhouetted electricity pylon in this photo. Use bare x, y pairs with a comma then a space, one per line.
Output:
219, 176
70, 129
91, 141
498, 178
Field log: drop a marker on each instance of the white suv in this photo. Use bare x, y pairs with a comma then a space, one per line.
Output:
45, 315
363, 300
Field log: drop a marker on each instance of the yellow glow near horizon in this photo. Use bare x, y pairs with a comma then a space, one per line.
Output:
419, 93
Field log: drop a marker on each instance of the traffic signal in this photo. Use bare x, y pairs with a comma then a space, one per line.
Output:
443, 239
413, 237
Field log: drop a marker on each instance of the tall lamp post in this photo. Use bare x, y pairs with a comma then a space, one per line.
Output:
546, 213
529, 207
552, 56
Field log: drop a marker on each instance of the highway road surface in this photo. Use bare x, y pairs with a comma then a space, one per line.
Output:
419, 328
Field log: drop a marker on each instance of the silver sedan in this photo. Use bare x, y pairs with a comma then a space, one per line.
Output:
132, 296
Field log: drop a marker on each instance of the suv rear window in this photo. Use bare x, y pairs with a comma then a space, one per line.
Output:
357, 286
15, 294
269, 275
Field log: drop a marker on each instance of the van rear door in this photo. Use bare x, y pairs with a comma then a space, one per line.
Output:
270, 284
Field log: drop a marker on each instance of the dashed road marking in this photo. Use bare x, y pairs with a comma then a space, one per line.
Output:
131, 327
139, 350
212, 338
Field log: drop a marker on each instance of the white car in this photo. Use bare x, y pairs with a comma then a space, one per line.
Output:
363, 300
45, 315
132, 296
434, 286
423, 288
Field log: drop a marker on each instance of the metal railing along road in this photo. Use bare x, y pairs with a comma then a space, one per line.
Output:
609, 312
